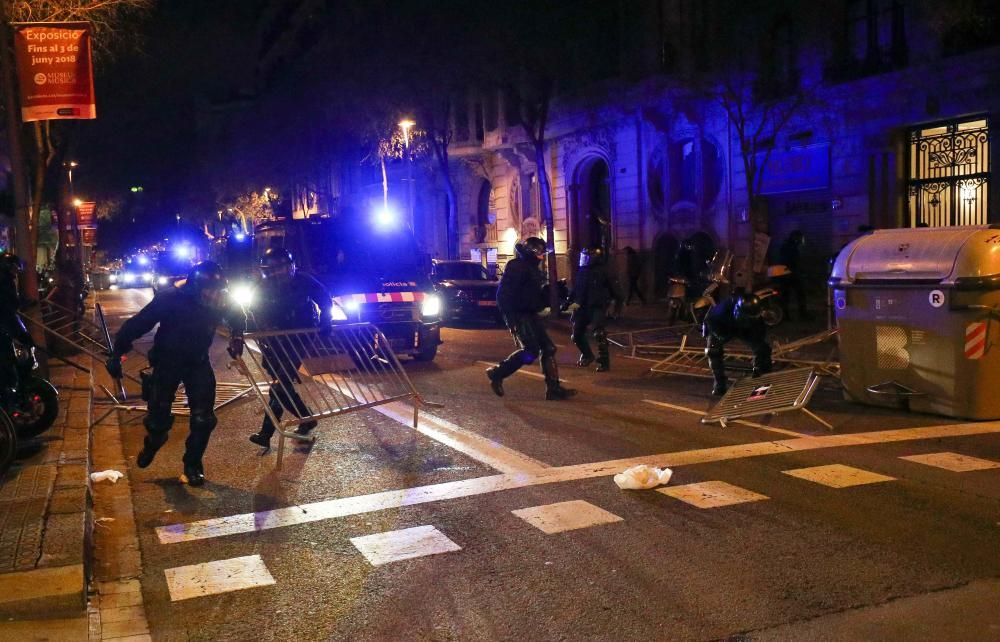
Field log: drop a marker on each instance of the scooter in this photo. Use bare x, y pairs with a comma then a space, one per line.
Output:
8, 443
35, 402
772, 311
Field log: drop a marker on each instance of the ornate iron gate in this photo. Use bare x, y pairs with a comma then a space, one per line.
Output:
950, 174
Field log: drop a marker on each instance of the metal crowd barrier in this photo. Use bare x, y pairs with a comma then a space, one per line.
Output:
692, 361
768, 394
654, 340
303, 376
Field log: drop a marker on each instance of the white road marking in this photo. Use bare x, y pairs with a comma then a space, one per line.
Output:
838, 475
751, 424
341, 507
566, 516
220, 576
711, 494
521, 371
953, 461
393, 546
482, 449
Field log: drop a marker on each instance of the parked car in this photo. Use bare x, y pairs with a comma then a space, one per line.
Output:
467, 291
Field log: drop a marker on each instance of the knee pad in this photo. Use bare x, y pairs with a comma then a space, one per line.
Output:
528, 358
601, 334
157, 424
204, 422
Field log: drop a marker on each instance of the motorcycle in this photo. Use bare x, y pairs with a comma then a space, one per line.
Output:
772, 311
8, 443
35, 403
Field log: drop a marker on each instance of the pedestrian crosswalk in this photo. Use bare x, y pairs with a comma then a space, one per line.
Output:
551, 519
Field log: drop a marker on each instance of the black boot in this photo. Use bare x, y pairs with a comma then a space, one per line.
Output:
150, 445
718, 366
306, 427
262, 440
194, 474
720, 387
603, 352
585, 360
496, 381
553, 389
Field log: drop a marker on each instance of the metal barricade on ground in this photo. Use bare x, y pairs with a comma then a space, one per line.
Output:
303, 376
768, 394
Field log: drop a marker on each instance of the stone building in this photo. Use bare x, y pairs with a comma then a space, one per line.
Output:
894, 131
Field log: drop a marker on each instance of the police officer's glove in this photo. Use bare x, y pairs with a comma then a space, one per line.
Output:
572, 307
545, 312
114, 366
235, 348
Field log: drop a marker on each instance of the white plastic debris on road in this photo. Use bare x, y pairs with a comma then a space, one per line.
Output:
106, 475
643, 476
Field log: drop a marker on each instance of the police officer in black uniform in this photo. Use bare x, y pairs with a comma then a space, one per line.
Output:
287, 299
522, 299
188, 317
593, 290
736, 317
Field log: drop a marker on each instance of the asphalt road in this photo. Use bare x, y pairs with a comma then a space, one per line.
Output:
910, 555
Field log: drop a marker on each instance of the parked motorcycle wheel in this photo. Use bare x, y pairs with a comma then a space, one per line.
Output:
8, 442
771, 312
37, 408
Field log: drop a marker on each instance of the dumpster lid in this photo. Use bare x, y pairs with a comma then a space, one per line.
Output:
942, 255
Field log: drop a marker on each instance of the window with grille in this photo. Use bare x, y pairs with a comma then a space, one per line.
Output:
950, 174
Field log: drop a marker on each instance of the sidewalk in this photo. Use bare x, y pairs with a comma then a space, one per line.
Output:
44, 536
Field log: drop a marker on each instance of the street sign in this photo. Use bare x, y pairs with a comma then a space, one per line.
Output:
54, 71
85, 217
89, 236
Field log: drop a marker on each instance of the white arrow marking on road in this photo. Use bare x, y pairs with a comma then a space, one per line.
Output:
332, 508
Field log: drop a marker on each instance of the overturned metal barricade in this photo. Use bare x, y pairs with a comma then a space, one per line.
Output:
768, 394
303, 376
654, 340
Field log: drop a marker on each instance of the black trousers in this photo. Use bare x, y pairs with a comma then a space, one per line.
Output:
199, 384
591, 319
282, 363
533, 342
633, 288
716, 352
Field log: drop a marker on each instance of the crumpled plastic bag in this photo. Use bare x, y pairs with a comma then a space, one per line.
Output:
643, 476
107, 475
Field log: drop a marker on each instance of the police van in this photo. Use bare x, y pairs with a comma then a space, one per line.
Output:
375, 275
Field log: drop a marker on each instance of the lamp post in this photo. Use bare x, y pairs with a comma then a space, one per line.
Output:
405, 125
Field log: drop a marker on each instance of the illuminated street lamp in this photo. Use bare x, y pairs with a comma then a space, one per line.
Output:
405, 125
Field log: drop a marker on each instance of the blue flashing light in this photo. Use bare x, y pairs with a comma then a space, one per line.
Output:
240, 236
385, 218
182, 251
143, 260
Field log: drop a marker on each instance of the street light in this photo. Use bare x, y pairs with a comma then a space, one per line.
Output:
405, 125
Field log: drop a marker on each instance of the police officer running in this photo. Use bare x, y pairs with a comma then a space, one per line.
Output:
522, 300
188, 316
738, 316
593, 289
288, 299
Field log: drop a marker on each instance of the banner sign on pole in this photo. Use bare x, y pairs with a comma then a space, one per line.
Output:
85, 215
88, 236
54, 70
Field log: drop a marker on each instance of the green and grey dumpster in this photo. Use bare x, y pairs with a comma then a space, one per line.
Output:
918, 313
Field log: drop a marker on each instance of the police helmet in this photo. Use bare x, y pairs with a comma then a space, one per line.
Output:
531, 248
276, 261
206, 275
747, 306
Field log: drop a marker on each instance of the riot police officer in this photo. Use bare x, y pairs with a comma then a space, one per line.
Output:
287, 299
522, 299
593, 290
738, 316
188, 317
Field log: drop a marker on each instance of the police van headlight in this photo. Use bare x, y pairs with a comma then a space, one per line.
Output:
113, 278
431, 306
337, 313
147, 277
242, 295
162, 280
128, 277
